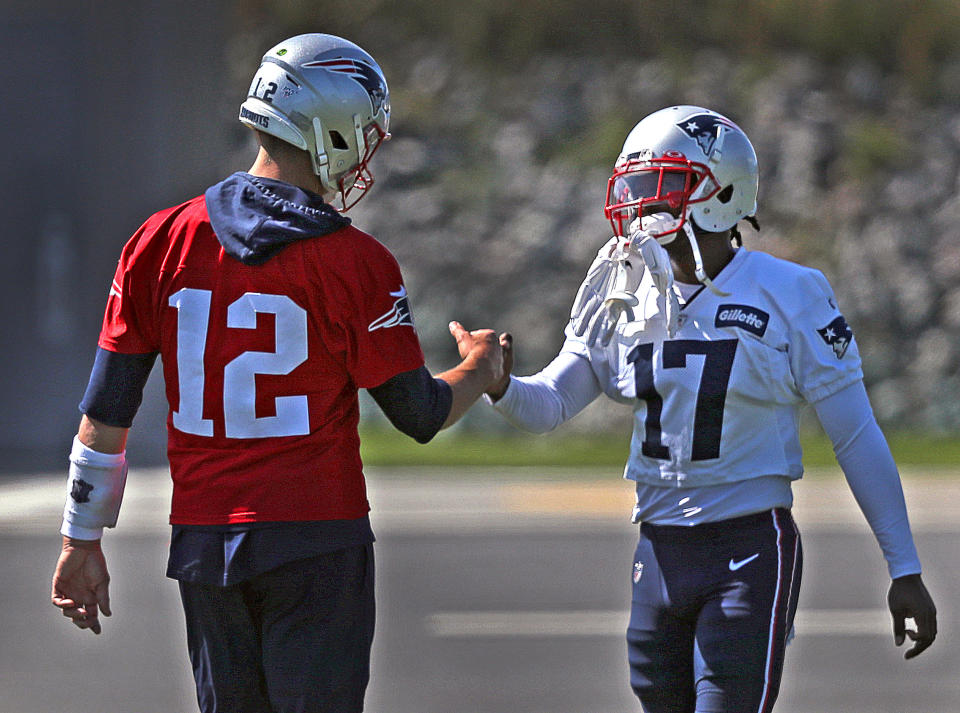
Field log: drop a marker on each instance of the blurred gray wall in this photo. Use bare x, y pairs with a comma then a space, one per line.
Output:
110, 113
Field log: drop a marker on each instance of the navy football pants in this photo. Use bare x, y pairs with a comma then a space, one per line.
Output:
712, 609
295, 639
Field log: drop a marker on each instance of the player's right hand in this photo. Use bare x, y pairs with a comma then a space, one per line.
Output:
482, 348
499, 387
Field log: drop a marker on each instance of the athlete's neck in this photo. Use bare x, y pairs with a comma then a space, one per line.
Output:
297, 173
715, 250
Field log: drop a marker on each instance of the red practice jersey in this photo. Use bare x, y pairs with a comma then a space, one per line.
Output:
262, 363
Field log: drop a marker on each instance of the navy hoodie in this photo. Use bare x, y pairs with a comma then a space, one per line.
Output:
255, 218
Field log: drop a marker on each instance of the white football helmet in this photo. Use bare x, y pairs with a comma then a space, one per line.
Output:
690, 162
328, 97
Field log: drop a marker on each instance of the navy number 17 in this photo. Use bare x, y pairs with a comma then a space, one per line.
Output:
711, 393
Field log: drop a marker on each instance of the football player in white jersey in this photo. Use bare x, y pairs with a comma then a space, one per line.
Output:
715, 348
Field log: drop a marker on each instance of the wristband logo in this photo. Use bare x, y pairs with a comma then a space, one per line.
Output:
80, 491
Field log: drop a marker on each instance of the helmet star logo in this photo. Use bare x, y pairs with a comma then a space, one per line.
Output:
705, 129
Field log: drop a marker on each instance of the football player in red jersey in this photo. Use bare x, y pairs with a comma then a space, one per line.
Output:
269, 311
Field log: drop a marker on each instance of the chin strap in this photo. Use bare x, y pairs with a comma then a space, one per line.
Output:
698, 260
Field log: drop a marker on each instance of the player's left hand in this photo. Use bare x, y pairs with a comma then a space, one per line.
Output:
909, 598
607, 292
81, 584
657, 262
598, 283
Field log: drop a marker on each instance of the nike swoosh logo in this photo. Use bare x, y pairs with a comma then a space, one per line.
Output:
734, 566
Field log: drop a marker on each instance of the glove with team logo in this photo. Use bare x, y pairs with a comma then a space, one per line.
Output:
606, 293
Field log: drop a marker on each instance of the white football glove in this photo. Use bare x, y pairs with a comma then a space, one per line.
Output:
618, 303
657, 262
612, 278
609, 290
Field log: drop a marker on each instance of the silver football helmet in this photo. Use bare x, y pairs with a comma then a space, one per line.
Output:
328, 97
690, 162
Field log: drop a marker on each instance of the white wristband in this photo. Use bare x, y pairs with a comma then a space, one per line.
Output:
94, 492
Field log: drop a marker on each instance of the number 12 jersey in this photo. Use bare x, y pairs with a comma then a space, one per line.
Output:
262, 363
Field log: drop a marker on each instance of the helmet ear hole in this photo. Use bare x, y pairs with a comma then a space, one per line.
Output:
726, 194
337, 141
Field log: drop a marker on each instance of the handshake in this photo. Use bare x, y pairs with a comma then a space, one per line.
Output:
609, 289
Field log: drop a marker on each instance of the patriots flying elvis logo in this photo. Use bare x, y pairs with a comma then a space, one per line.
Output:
361, 72
80, 491
704, 129
837, 335
398, 315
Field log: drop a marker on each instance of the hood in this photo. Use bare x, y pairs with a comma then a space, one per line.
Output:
255, 218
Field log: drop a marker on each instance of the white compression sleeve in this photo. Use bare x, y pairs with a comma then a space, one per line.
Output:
871, 473
94, 492
541, 402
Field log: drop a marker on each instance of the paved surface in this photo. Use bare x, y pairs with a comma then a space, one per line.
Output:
498, 593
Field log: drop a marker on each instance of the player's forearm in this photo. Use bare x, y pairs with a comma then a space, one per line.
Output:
415, 402
98, 474
871, 473
101, 437
468, 380
540, 403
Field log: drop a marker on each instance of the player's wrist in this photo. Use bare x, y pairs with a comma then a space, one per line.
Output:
498, 390
76, 543
77, 533
95, 487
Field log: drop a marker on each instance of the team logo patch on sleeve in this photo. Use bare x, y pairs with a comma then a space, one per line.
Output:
743, 316
398, 315
837, 335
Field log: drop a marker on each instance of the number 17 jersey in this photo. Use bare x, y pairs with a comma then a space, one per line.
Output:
719, 402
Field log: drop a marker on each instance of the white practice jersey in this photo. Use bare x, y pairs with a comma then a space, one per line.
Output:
719, 403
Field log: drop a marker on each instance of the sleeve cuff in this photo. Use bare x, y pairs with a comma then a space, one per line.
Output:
503, 400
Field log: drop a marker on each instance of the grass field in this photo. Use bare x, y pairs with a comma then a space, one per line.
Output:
386, 447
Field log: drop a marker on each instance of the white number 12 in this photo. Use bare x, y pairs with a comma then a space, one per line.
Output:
239, 376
